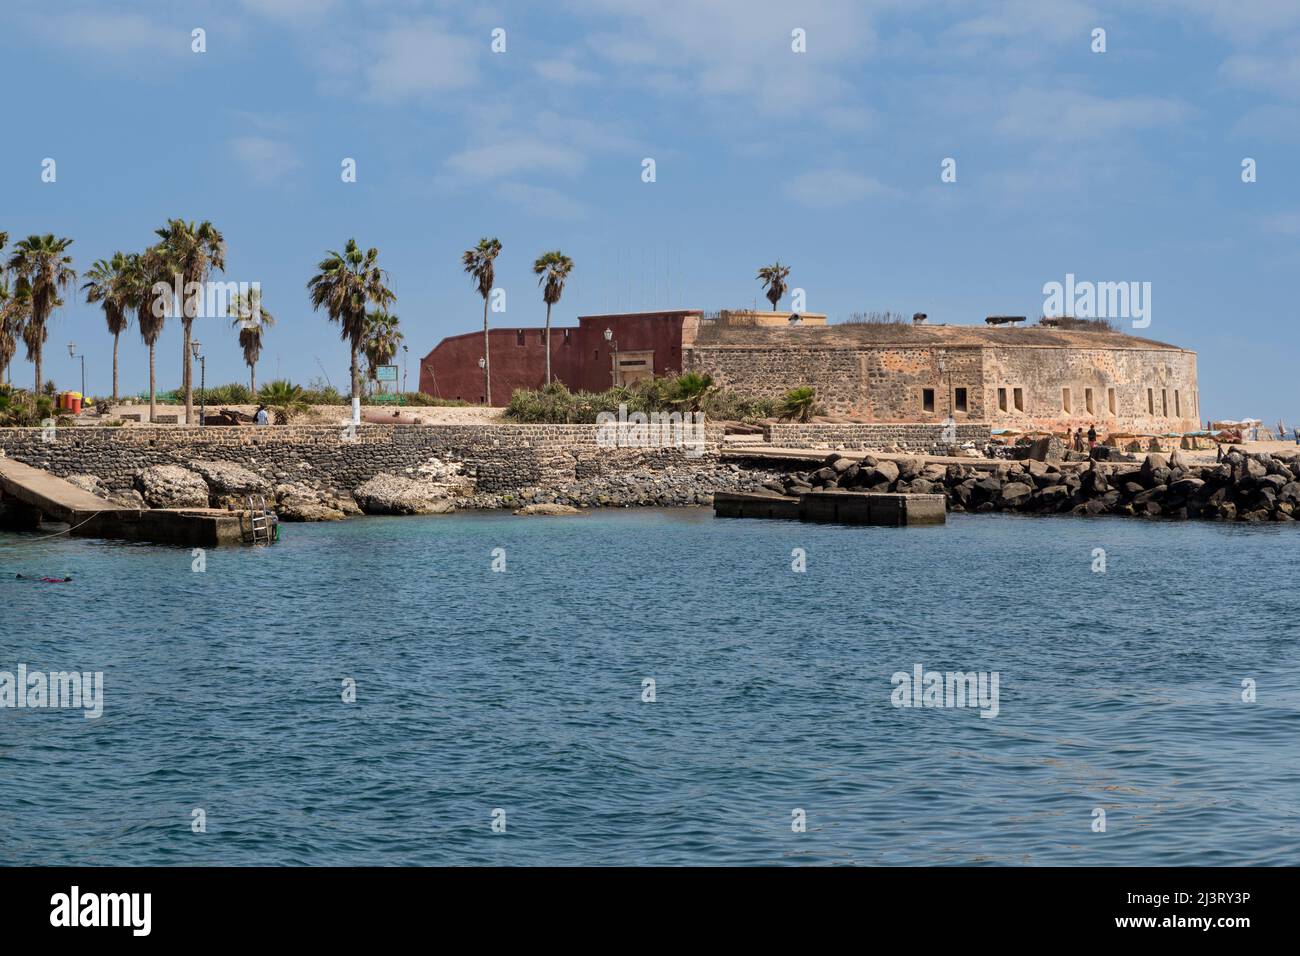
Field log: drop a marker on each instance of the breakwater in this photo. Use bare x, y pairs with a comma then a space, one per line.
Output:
1241, 487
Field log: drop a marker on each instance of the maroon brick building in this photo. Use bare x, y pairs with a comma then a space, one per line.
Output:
641, 345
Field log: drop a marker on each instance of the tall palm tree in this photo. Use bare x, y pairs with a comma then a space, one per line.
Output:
252, 319
344, 285
192, 252
773, 278
140, 274
43, 263
554, 268
478, 263
15, 309
382, 340
105, 286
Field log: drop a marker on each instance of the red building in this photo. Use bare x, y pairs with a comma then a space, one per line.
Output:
639, 345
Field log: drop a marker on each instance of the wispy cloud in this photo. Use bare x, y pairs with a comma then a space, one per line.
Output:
540, 201
835, 187
419, 58
1071, 115
266, 160
511, 157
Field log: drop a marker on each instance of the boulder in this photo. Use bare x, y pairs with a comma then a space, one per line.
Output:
92, 483
884, 471
1046, 449
389, 494
1153, 463
229, 484
1014, 493
171, 486
548, 509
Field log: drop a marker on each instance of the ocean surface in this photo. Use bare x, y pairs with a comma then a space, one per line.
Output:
517, 696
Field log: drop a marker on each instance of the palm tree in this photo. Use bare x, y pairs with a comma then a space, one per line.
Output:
284, 399
344, 285
553, 267
774, 277
140, 274
15, 309
40, 260
105, 286
252, 319
192, 252
800, 403
478, 263
382, 340
689, 390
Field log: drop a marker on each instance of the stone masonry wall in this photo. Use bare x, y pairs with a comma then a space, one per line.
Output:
869, 436
501, 457
1155, 389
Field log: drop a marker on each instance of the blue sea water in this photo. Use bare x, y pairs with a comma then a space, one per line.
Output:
521, 690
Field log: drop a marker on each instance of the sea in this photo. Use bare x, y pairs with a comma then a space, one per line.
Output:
658, 687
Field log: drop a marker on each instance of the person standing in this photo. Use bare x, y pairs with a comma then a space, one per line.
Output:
1092, 436
261, 417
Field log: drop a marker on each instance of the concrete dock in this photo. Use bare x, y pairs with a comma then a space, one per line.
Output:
39, 494
840, 507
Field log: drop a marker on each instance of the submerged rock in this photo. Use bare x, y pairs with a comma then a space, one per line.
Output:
548, 509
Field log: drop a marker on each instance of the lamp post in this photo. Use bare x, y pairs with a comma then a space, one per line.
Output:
405, 350
482, 363
72, 353
203, 376
613, 372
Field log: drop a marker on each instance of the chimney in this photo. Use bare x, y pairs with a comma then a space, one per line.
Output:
919, 318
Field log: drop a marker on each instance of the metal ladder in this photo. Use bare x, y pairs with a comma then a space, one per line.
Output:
259, 519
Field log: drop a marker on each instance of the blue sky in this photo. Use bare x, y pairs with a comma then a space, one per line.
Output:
1115, 166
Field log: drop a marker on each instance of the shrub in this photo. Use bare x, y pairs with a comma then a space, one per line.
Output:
800, 403
555, 404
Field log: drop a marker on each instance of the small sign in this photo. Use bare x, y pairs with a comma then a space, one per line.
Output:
386, 373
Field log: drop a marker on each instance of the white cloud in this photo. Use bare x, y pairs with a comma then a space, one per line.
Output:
419, 58
290, 11
267, 160
515, 156
1287, 222
1277, 72
1072, 116
117, 34
564, 73
835, 187
540, 200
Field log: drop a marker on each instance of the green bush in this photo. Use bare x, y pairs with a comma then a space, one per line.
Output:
555, 404
232, 394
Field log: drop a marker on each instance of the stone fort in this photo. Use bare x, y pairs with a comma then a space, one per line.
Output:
1013, 377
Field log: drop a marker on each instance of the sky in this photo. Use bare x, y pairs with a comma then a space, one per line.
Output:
1117, 166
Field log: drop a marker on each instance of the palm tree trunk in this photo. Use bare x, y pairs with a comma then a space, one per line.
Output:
186, 370
153, 403
252, 379
487, 358
115, 335
548, 343
40, 368
356, 388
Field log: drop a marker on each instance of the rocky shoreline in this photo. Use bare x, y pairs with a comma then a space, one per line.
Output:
1242, 487
435, 487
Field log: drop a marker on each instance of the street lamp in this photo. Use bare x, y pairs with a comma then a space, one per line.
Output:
72, 353
405, 350
203, 376
613, 372
482, 364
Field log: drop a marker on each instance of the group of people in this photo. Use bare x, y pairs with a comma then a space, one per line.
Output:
1077, 439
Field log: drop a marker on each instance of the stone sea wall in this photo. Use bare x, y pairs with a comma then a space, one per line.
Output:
909, 437
496, 465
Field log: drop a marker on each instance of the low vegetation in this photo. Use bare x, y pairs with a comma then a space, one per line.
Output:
556, 404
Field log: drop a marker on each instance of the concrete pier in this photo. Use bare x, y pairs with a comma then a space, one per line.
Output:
839, 507
38, 493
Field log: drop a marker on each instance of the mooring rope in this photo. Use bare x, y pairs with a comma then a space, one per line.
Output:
56, 534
